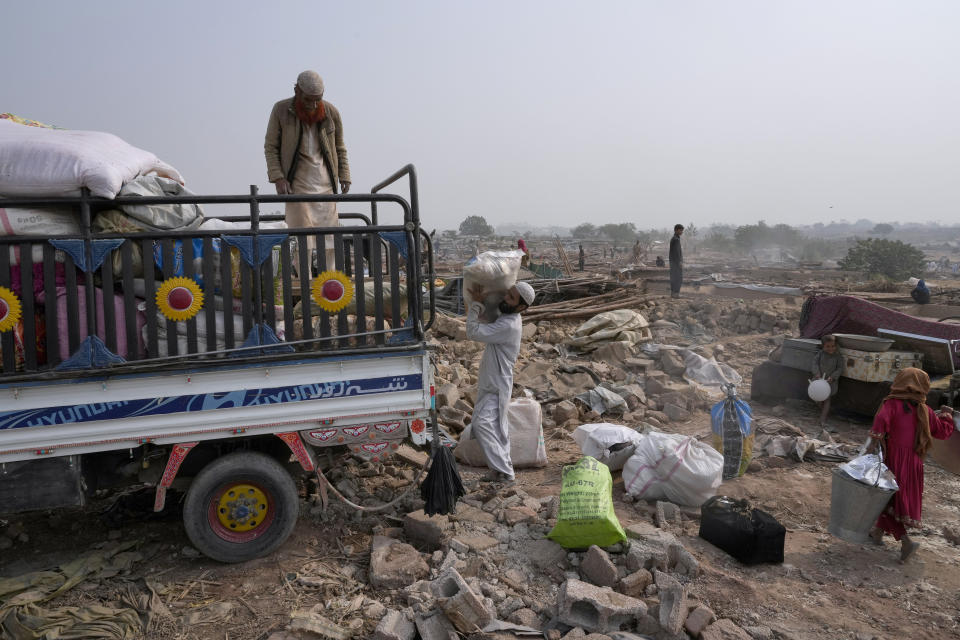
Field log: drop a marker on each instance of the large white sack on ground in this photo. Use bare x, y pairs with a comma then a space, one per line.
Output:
527, 448
669, 466
58, 162
611, 444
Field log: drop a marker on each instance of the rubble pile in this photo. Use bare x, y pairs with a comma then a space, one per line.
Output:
488, 569
575, 388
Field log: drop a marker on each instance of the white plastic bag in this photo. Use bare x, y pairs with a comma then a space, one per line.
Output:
673, 467
495, 271
869, 469
709, 373
611, 444
527, 448
55, 162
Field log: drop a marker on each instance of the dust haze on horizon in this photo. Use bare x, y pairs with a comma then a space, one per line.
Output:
549, 113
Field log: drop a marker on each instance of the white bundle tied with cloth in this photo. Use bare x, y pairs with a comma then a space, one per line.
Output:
611, 444
622, 325
496, 272
668, 466
35, 161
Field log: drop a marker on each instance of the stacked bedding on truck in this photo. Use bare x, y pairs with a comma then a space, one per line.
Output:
43, 161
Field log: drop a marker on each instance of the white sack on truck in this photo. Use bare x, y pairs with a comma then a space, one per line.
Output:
36, 162
45, 222
496, 272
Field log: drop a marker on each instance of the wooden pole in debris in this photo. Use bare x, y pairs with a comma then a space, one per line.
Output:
567, 267
549, 314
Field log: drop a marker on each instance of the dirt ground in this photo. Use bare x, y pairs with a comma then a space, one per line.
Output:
826, 588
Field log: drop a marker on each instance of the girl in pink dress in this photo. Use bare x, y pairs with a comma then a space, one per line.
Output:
905, 427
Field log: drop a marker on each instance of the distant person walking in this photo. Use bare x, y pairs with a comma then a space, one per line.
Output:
525, 260
582, 258
305, 153
637, 252
676, 261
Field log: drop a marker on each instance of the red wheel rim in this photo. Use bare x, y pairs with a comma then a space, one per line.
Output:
216, 519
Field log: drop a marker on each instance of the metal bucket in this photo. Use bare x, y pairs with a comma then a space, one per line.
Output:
855, 507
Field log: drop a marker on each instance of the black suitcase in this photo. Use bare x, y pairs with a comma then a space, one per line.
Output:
750, 535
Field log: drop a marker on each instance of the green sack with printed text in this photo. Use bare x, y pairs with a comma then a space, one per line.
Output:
586, 514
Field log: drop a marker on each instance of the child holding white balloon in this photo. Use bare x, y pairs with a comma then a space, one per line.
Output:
828, 366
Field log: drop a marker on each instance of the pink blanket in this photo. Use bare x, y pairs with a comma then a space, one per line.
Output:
846, 314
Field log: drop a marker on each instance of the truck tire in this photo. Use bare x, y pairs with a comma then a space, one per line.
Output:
241, 506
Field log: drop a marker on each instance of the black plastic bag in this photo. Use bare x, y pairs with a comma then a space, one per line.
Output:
750, 535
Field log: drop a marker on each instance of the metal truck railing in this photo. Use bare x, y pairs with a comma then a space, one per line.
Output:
142, 291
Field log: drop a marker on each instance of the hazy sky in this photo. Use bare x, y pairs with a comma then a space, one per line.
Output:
544, 112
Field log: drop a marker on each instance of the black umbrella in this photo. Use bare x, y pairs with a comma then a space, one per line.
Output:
442, 487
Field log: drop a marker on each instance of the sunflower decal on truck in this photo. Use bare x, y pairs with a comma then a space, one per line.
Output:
332, 290
179, 298
9, 309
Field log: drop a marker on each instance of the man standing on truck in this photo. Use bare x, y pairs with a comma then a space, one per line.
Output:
305, 154
676, 261
495, 379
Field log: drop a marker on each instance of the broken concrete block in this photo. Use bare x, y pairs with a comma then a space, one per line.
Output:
724, 630
681, 561
564, 411
518, 514
649, 553
547, 554
759, 632
447, 395
667, 514
635, 584
429, 531
640, 530
647, 625
698, 620
315, 623
528, 331
597, 568
469, 513
525, 617
672, 362
597, 609
395, 564
676, 413
638, 365
458, 601
394, 626
673, 602
476, 543
435, 626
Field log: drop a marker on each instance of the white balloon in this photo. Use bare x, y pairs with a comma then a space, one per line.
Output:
819, 390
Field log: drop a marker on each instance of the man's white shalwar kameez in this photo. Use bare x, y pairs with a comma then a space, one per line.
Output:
494, 384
